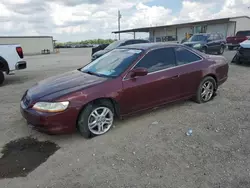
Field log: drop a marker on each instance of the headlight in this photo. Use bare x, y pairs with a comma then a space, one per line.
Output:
197, 46
51, 107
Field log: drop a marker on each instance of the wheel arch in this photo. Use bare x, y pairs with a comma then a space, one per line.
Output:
98, 100
214, 77
4, 65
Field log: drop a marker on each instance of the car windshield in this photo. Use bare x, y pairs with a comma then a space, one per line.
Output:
114, 45
113, 63
198, 38
243, 33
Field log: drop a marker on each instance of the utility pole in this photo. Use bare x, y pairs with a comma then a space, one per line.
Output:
119, 23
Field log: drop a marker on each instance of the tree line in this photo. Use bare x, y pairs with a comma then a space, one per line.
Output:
93, 41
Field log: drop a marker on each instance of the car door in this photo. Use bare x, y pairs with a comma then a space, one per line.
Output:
210, 43
217, 42
189, 67
156, 87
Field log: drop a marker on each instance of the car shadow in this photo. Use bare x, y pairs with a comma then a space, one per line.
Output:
152, 112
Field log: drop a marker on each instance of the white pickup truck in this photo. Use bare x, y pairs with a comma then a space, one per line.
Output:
11, 59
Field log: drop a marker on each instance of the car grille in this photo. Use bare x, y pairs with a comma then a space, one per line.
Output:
244, 51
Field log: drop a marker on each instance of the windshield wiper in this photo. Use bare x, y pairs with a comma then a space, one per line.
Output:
99, 75
93, 73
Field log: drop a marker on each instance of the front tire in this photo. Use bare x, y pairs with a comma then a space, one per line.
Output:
204, 50
206, 90
1, 78
96, 119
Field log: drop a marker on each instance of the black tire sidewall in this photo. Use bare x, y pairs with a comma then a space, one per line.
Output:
204, 50
198, 94
84, 116
1, 77
222, 47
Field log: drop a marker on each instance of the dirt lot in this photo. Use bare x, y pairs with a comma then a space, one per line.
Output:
148, 150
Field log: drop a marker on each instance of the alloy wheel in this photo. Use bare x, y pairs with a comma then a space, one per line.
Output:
207, 91
100, 120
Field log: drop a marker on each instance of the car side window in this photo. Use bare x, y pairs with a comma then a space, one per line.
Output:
217, 37
211, 37
158, 59
140, 41
184, 56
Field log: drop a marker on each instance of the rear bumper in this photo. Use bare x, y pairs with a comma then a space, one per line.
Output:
233, 45
220, 82
21, 65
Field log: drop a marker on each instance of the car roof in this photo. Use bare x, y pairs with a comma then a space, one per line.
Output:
148, 46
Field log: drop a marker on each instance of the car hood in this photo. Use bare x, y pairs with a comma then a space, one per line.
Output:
245, 44
63, 84
100, 53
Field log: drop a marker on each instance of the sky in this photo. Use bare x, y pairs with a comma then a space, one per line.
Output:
76, 20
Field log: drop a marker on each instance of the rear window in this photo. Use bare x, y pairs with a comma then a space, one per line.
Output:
243, 33
185, 56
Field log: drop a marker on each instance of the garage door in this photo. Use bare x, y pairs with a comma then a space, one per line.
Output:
221, 28
182, 31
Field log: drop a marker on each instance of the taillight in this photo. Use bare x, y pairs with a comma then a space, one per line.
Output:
19, 51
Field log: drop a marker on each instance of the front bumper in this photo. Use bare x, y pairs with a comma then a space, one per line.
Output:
52, 123
21, 65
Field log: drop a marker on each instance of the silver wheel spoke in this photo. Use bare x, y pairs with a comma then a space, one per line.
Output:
100, 127
93, 124
105, 112
207, 90
207, 96
100, 120
108, 120
95, 114
209, 85
203, 93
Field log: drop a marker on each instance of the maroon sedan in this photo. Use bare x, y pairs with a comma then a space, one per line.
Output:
123, 81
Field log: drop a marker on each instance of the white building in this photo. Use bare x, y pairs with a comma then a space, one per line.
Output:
176, 32
31, 45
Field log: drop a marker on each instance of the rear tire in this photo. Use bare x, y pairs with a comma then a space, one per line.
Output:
206, 90
84, 125
221, 51
1, 78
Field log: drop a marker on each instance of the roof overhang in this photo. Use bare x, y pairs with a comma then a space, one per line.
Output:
190, 24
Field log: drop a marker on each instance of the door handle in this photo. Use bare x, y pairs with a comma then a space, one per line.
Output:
175, 77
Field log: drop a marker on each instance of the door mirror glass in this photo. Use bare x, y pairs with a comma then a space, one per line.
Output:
138, 72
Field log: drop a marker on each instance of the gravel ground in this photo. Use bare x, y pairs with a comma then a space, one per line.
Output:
147, 150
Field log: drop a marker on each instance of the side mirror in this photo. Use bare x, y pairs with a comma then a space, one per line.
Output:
138, 72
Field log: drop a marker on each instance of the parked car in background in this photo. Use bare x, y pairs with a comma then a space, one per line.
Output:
207, 42
11, 59
235, 41
117, 44
243, 53
98, 48
124, 81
